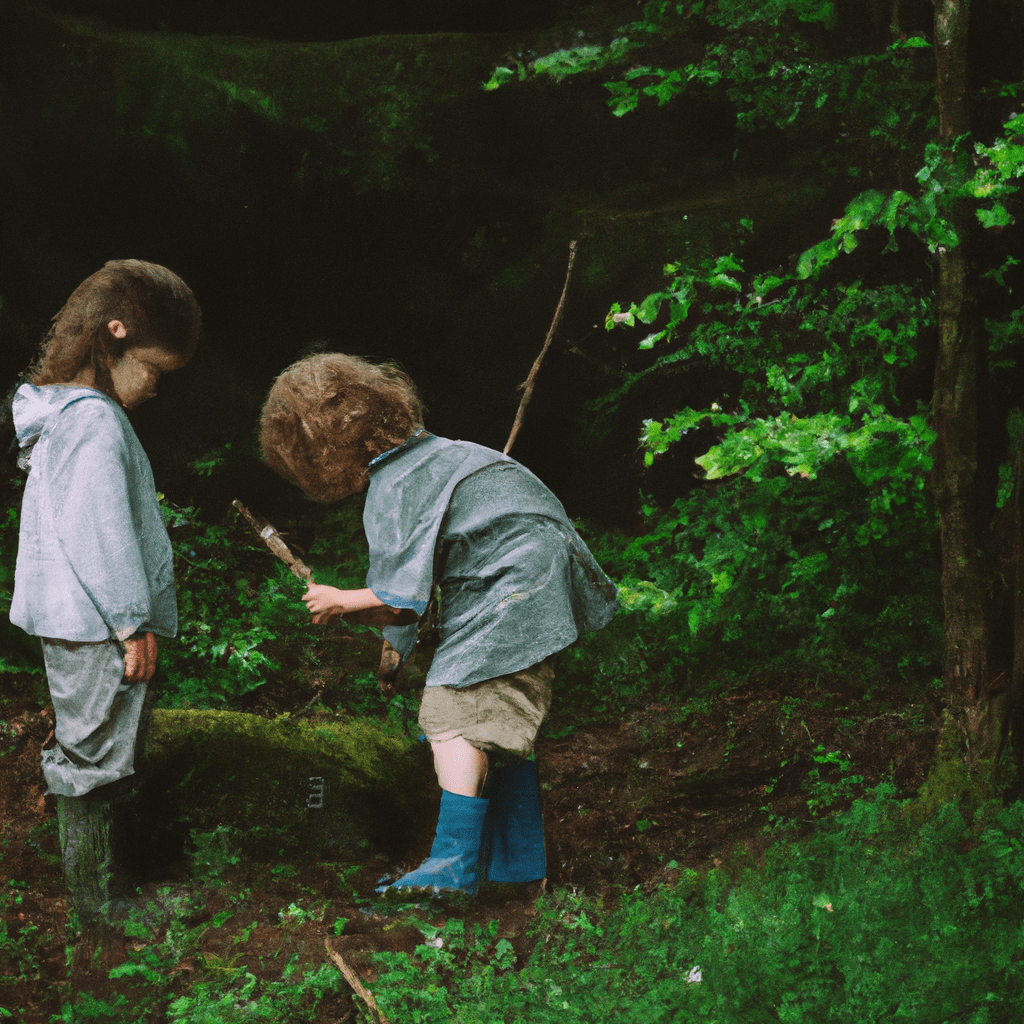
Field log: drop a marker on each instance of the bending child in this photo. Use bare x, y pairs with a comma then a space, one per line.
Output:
94, 574
477, 535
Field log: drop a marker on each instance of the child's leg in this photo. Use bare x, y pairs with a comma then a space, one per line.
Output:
454, 860
500, 715
97, 729
514, 833
461, 768
97, 716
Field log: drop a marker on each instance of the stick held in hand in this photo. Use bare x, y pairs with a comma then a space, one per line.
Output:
275, 542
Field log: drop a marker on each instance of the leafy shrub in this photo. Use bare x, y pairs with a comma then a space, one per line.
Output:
775, 575
867, 920
811, 544
240, 616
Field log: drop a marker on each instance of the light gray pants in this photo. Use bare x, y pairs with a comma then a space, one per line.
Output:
97, 716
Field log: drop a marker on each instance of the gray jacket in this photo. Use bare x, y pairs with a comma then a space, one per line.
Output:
516, 581
94, 558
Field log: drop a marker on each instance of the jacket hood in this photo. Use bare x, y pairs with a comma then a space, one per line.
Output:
34, 407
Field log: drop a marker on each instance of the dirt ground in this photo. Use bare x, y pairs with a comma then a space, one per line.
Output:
625, 805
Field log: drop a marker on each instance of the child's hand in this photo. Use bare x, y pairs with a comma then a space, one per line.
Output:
140, 658
325, 603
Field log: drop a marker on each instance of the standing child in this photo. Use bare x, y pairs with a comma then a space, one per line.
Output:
94, 575
477, 536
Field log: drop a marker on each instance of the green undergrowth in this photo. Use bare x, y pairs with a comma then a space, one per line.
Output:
241, 621
870, 919
245, 979
772, 577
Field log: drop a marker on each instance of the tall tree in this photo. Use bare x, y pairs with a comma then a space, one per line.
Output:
976, 705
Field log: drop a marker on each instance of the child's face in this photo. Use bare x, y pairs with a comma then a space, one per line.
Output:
136, 373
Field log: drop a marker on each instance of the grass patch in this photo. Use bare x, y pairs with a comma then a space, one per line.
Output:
869, 919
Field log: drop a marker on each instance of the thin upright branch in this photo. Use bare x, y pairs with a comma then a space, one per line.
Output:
531, 379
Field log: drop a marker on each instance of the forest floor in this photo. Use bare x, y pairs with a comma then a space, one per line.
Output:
626, 805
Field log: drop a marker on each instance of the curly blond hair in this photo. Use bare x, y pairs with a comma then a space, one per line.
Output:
152, 302
329, 415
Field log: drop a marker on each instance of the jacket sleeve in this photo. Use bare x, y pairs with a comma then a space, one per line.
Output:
91, 478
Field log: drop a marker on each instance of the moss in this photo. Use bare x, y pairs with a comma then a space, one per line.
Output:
972, 778
359, 753
338, 785
949, 780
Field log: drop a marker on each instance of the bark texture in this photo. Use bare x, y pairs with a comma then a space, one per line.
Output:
977, 704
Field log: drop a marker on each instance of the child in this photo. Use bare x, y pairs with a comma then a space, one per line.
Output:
481, 539
94, 574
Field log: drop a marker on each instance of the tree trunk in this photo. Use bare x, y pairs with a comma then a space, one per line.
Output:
1015, 713
976, 705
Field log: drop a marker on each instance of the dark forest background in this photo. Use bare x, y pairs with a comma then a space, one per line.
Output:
367, 196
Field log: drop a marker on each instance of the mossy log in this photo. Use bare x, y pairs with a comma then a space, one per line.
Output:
337, 788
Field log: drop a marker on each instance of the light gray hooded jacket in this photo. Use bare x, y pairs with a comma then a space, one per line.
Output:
94, 558
516, 581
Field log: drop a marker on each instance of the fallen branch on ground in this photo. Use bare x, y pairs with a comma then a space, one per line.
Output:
357, 986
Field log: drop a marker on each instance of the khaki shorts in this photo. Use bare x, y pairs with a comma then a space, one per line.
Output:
498, 714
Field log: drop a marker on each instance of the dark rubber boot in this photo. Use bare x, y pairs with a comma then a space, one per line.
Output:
454, 861
514, 835
87, 841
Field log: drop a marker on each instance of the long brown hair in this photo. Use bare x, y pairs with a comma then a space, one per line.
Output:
154, 304
327, 416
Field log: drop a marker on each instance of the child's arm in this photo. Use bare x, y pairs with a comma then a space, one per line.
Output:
362, 606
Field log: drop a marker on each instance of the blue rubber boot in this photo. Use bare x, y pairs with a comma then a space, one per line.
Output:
514, 834
454, 861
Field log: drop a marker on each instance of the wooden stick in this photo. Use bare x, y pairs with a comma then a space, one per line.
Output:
390, 659
275, 542
357, 986
529, 382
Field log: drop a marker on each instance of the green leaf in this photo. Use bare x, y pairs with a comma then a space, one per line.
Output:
569, 62
997, 217
911, 43
648, 310
131, 970
624, 97
498, 78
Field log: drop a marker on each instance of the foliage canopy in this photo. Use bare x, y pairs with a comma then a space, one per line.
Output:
815, 527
